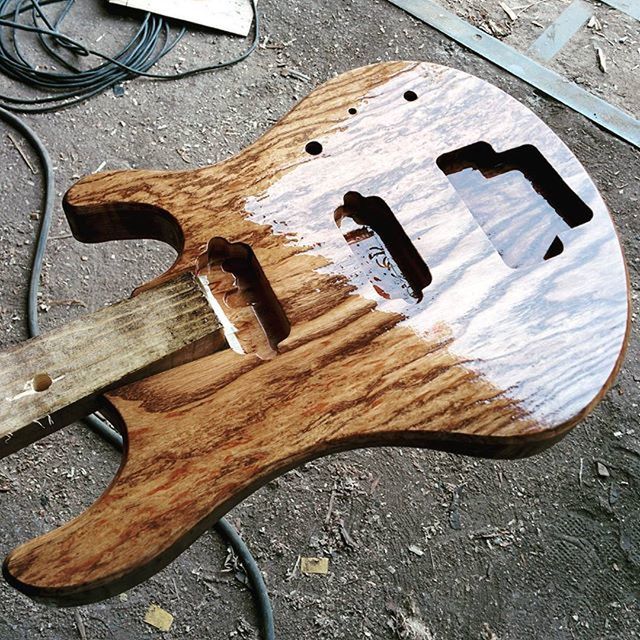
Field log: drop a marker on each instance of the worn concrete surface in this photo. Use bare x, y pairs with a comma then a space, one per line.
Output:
543, 548
614, 32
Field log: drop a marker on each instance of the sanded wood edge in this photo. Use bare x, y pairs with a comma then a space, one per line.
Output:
491, 447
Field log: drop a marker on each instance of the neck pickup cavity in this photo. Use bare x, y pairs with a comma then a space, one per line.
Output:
518, 199
235, 284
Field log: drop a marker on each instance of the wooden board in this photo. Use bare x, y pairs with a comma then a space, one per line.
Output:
233, 16
483, 331
56, 378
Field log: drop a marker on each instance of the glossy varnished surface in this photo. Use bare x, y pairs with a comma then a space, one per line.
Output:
489, 360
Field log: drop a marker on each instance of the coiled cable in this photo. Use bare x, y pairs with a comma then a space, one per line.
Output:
152, 41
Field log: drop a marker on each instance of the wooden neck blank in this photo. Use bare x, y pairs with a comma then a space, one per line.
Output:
55, 378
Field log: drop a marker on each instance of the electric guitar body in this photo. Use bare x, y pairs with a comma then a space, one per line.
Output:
409, 257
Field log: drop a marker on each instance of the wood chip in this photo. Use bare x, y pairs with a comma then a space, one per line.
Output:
293, 73
183, 154
158, 618
497, 29
594, 24
332, 497
602, 62
23, 155
416, 550
314, 565
348, 540
509, 11
80, 625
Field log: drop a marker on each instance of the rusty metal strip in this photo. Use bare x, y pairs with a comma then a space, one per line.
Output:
553, 84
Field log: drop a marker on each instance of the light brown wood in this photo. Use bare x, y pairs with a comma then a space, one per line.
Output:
57, 377
442, 337
233, 16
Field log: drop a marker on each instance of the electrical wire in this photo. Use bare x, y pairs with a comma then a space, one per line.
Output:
152, 41
260, 594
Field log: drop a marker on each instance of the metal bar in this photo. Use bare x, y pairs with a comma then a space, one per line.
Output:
630, 7
561, 30
599, 111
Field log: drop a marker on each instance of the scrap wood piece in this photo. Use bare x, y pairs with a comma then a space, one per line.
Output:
159, 618
232, 16
314, 565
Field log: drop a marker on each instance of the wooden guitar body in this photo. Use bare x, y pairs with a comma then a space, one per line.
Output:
415, 258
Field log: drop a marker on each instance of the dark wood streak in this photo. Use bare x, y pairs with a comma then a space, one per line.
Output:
492, 361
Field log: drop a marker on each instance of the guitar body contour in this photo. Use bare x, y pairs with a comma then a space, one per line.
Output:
395, 305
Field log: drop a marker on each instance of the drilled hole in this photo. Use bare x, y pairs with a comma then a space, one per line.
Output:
313, 148
41, 382
410, 96
353, 111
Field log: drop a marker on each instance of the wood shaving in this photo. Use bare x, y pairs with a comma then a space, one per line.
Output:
602, 61
314, 565
509, 11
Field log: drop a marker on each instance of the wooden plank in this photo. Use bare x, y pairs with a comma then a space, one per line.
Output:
56, 377
491, 360
232, 16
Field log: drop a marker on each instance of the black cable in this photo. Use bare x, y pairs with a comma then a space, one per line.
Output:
45, 220
150, 43
261, 596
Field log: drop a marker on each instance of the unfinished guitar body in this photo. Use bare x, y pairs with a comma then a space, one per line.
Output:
415, 258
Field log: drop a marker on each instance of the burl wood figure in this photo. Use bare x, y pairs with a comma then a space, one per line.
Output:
409, 257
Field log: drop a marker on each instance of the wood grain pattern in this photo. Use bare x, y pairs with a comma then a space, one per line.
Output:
492, 360
55, 378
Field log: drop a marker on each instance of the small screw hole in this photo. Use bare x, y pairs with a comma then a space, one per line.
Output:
410, 96
41, 382
353, 111
313, 148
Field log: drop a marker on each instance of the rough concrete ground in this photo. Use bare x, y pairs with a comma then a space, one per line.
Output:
542, 548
